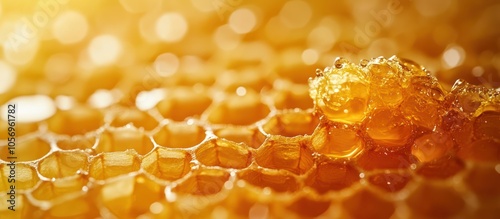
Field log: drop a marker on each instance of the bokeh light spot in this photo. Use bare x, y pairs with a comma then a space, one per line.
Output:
104, 49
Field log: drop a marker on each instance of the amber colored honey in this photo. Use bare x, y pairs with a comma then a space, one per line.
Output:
215, 109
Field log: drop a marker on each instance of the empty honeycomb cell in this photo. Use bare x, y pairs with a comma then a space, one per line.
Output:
76, 142
223, 153
433, 146
388, 128
203, 182
337, 140
391, 181
249, 136
290, 124
231, 109
23, 175
483, 181
135, 117
366, 204
111, 164
26, 150
374, 158
309, 207
182, 103
21, 129
277, 181
332, 175
88, 119
485, 150
180, 135
487, 125
50, 191
63, 163
131, 196
123, 138
442, 168
291, 154
167, 164
288, 95
432, 201
341, 93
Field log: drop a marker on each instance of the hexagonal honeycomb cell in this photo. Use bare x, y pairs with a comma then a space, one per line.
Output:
124, 138
179, 135
213, 109
337, 140
29, 149
53, 190
290, 124
193, 101
111, 164
252, 137
332, 175
120, 196
24, 175
134, 117
229, 110
271, 179
203, 182
62, 164
292, 154
224, 154
167, 164
89, 119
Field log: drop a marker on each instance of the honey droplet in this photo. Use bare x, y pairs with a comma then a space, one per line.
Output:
319, 73
339, 62
363, 62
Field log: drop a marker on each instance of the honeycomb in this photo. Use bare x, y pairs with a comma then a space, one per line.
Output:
222, 109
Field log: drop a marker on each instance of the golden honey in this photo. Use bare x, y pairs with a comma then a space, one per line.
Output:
241, 109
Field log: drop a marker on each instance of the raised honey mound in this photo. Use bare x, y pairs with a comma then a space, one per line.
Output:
384, 141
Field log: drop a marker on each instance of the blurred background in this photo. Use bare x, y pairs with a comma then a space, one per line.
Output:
82, 71
119, 48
